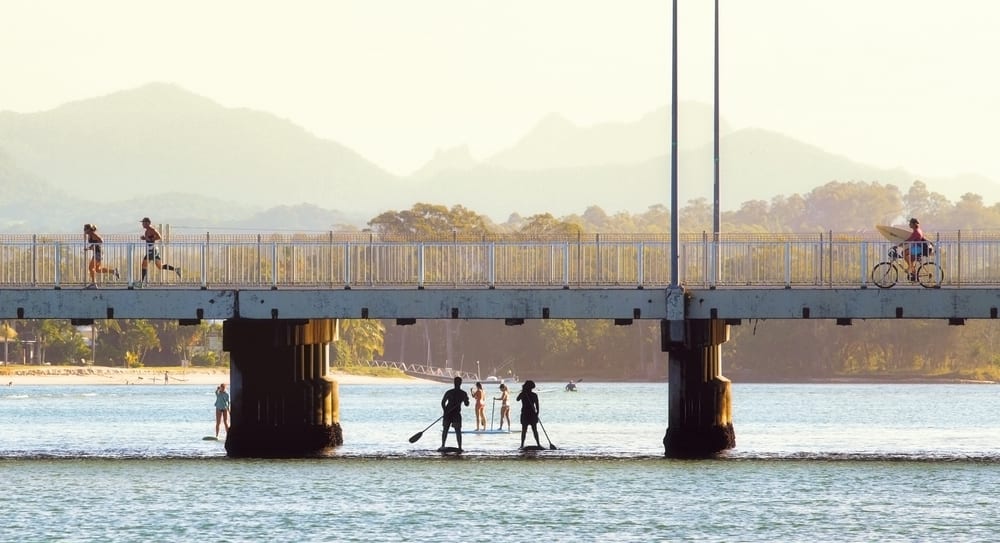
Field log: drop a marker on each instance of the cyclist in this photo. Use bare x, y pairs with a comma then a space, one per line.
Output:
914, 248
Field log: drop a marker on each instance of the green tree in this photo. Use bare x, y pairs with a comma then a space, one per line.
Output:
361, 340
430, 221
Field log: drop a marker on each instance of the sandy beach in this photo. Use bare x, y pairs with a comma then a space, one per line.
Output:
97, 375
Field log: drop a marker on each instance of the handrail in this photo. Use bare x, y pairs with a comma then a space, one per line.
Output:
829, 260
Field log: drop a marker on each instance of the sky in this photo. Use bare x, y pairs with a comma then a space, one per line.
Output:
892, 83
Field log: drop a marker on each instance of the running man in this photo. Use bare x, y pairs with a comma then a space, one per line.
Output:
150, 235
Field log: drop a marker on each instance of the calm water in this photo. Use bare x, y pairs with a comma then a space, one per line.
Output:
813, 462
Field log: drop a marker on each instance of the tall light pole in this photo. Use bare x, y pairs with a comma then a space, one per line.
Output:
716, 224
716, 217
674, 214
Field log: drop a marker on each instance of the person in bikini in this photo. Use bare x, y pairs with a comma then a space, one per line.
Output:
480, 395
94, 241
504, 405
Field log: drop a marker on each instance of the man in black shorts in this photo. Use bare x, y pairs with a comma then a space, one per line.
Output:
451, 404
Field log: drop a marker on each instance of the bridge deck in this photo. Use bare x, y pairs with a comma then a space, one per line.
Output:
618, 277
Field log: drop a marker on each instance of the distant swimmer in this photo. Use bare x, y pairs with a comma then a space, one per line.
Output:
570, 386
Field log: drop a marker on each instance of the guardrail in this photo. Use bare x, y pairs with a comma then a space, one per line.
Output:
605, 261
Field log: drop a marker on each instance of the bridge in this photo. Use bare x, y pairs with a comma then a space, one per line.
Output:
281, 295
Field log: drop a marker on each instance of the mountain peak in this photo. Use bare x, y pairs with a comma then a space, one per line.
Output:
453, 159
157, 98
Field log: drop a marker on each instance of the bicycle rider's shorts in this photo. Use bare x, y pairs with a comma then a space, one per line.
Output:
917, 249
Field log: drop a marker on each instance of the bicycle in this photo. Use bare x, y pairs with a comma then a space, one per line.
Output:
886, 274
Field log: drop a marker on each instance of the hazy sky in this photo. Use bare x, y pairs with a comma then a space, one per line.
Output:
909, 83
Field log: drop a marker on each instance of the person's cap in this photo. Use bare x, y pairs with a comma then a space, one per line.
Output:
145, 219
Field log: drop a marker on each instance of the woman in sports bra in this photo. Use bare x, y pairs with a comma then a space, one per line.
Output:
94, 241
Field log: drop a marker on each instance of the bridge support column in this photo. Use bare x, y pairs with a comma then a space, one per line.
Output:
284, 403
700, 416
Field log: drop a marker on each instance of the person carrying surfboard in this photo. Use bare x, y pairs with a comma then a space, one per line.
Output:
451, 404
914, 247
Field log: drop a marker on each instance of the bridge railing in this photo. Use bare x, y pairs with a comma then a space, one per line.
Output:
620, 261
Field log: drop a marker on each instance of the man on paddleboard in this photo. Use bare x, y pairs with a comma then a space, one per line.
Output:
451, 404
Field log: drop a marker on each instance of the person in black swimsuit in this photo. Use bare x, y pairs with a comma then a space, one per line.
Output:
529, 411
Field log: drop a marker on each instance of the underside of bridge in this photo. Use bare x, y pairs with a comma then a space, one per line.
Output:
284, 403
700, 397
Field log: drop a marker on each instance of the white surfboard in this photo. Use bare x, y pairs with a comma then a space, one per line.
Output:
894, 234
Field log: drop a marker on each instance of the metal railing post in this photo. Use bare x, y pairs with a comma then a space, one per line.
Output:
864, 264
347, 264
958, 262
640, 270
34, 260
274, 264
420, 265
788, 264
491, 264
565, 281
57, 277
204, 260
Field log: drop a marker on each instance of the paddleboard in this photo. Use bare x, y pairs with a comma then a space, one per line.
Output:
449, 450
210, 438
481, 432
532, 448
894, 234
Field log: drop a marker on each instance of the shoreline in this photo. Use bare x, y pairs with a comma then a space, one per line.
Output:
102, 375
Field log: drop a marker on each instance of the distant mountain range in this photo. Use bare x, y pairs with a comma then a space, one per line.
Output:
161, 151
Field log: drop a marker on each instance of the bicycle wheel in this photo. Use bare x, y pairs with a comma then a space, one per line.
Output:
929, 274
885, 275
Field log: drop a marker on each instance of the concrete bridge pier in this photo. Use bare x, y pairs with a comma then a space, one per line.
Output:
700, 397
284, 402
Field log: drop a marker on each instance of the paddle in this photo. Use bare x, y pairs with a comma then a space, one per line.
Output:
415, 437
551, 446
493, 412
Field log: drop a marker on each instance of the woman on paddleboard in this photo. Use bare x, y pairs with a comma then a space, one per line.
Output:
504, 405
221, 408
480, 395
529, 411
